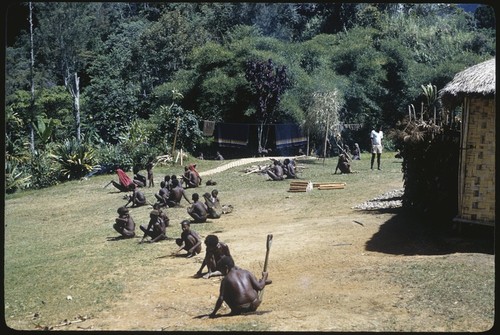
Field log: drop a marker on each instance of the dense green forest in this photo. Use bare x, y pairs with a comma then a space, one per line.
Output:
116, 84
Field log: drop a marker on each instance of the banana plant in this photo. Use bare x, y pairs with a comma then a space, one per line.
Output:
44, 129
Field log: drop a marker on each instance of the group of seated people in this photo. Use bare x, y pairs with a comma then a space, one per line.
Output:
240, 289
156, 228
281, 171
169, 195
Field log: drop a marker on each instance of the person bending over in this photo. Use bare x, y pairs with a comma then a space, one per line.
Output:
214, 251
156, 228
343, 164
239, 288
137, 198
189, 240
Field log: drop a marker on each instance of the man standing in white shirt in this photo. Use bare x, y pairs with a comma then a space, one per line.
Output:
376, 138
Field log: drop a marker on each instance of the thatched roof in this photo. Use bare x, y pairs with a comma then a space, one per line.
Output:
476, 80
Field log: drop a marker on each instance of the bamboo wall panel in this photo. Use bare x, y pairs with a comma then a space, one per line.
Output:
478, 189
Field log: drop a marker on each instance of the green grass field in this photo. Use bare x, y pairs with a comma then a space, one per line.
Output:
58, 262
56, 238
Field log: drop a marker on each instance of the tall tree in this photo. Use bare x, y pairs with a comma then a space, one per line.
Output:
323, 114
166, 44
269, 81
114, 92
32, 81
485, 17
66, 35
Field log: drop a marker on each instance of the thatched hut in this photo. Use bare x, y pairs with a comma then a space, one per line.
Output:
474, 90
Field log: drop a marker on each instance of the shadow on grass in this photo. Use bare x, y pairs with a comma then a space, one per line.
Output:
203, 316
407, 234
120, 238
173, 255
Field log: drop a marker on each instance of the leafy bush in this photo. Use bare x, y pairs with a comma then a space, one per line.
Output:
140, 154
44, 170
15, 177
430, 168
76, 159
109, 157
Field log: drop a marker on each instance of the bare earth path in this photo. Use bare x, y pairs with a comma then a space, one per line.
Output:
325, 278
239, 162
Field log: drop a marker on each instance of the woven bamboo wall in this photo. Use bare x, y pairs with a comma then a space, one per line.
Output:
478, 180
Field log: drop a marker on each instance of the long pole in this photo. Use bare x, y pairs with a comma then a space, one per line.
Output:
269, 242
175, 135
326, 136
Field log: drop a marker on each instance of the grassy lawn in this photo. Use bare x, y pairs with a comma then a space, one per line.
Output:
58, 262
55, 238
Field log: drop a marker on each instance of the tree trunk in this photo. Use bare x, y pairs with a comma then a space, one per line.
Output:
32, 83
307, 149
326, 136
77, 108
75, 93
260, 128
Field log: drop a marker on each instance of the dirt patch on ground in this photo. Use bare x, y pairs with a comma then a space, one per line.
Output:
330, 273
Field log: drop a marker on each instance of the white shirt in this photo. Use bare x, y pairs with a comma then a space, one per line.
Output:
376, 137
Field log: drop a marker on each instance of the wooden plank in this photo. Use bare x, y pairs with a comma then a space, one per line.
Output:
331, 188
328, 186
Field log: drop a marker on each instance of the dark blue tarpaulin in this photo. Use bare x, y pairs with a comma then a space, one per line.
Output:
289, 135
232, 134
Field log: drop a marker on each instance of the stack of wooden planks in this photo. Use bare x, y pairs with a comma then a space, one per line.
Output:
331, 186
298, 186
301, 186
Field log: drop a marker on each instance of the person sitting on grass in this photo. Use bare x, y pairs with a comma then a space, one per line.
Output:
189, 240
125, 183
162, 213
197, 210
176, 194
239, 289
139, 179
289, 169
343, 164
124, 224
191, 177
276, 171
137, 198
218, 156
162, 195
156, 228
214, 209
214, 251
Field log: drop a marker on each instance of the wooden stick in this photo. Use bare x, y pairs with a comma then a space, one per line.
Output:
268, 249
